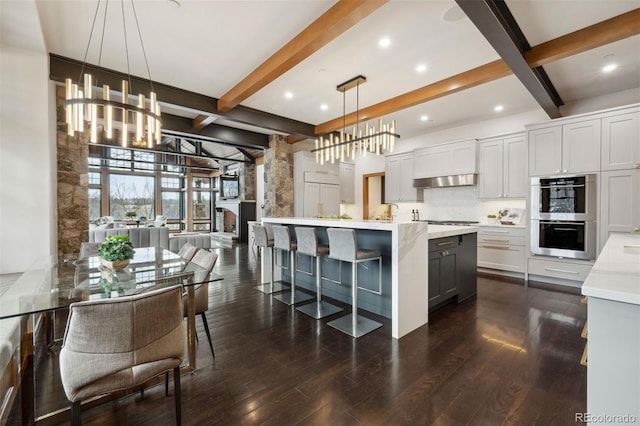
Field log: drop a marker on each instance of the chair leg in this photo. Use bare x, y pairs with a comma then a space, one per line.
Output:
166, 383
206, 329
75, 413
177, 396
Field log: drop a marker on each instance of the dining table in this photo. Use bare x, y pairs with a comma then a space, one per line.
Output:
53, 283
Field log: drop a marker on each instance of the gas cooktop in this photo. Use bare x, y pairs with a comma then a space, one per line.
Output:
451, 222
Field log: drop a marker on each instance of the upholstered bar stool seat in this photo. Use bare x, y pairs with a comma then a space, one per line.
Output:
264, 241
307, 239
344, 246
282, 240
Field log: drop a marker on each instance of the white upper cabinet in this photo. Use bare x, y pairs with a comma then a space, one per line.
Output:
621, 142
446, 159
347, 183
619, 203
568, 148
501, 168
398, 179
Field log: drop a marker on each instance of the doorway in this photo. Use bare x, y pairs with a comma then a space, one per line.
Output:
372, 195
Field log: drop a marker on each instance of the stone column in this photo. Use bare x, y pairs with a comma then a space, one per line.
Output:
278, 178
247, 174
73, 185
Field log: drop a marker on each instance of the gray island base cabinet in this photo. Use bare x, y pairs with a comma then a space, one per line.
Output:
404, 292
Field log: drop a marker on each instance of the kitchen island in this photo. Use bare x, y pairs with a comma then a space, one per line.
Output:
403, 295
613, 332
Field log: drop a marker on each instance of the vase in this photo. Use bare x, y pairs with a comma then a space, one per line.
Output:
114, 265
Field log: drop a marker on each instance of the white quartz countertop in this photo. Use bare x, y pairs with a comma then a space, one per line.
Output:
343, 223
441, 231
616, 273
435, 231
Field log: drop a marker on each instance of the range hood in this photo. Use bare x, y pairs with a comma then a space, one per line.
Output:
470, 179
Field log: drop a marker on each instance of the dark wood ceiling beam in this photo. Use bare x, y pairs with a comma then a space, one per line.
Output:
61, 68
202, 121
600, 34
172, 124
335, 21
493, 23
617, 28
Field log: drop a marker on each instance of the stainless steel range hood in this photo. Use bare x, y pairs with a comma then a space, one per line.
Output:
470, 179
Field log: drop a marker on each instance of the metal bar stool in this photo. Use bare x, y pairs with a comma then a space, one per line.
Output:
308, 244
263, 241
282, 241
343, 246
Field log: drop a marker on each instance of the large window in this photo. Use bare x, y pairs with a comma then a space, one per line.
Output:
201, 205
95, 203
131, 193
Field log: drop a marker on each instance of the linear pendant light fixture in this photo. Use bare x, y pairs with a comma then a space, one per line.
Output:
84, 108
367, 138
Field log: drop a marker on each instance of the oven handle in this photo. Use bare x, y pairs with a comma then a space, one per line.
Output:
562, 186
562, 223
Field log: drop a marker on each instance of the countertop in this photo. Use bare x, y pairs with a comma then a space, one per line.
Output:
434, 231
616, 273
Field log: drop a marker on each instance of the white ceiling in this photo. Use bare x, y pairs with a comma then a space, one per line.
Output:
208, 46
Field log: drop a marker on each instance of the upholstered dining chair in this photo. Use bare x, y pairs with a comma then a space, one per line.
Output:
115, 344
207, 260
88, 249
187, 251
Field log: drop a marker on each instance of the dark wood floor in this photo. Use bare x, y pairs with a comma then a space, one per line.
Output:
511, 356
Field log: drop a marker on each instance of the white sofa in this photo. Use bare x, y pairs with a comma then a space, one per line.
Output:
176, 241
139, 237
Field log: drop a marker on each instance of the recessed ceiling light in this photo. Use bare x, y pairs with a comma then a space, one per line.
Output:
424, 118
608, 64
498, 108
420, 68
324, 107
384, 42
288, 95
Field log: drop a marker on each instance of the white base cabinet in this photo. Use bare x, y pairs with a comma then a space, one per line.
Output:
501, 248
559, 271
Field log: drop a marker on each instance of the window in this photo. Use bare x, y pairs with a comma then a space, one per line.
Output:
143, 160
95, 203
171, 182
171, 204
94, 178
201, 205
201, 182
131, 193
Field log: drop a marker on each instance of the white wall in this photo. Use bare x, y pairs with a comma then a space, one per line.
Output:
27, 145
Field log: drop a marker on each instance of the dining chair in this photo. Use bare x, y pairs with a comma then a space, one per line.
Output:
88, 249
207, 260
115, 344
187, 251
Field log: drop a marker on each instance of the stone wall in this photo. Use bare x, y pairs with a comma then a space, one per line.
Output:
73, 204
247, 173
278, 178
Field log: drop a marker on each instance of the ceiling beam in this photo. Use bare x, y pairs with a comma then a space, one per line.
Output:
600, 34
617, 28
61, 68
174, 125
335, 21
202, 121
498, 27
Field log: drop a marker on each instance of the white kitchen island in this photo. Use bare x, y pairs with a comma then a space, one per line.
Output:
404, 247
613, 362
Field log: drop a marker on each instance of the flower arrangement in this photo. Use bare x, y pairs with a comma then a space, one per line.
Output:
131, 214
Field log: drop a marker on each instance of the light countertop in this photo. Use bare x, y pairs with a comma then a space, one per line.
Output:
440, 231
616, 273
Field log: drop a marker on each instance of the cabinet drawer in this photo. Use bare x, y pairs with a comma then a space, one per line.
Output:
444, 243
551, 268
499, 240
501, 231
503, 257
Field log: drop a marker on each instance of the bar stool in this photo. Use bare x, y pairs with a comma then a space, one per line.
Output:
343, 246
263, 242
308, 244
282, 241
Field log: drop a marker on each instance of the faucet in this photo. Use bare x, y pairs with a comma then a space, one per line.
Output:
390, 210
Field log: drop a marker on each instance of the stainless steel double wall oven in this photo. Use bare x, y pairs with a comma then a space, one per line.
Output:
563, 216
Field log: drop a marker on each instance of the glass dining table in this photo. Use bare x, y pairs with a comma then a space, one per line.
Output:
53, 283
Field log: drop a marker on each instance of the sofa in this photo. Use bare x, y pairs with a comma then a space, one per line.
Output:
176, 241
139, 237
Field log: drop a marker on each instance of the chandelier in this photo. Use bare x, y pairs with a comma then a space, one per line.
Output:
86, 108
363, 139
